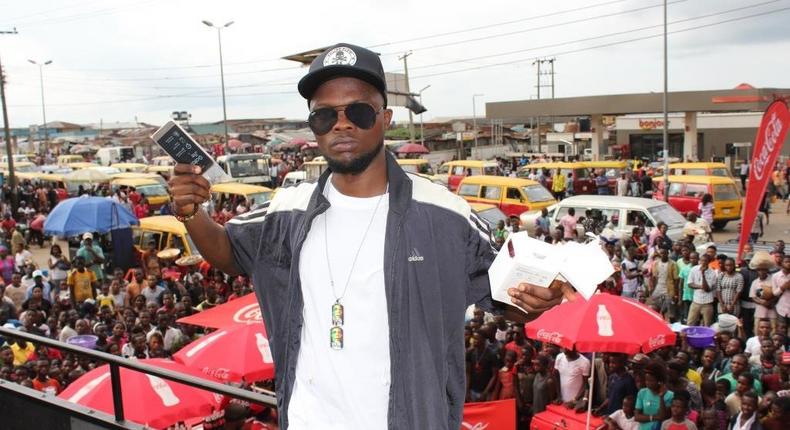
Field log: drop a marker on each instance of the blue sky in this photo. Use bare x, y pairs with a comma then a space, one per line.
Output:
126, 59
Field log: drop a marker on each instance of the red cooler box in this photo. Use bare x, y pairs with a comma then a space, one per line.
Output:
558, 417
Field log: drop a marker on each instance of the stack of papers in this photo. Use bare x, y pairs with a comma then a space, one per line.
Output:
524, 259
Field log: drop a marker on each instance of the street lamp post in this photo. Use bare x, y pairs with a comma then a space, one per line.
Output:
665, 131
474, 115
422, 128
221, 72
43, 105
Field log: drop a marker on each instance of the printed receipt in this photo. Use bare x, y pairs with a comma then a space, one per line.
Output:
528, 260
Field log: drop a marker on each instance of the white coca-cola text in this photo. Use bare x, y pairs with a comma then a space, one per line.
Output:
773, 129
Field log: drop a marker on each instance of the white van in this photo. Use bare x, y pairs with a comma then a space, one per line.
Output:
250, 168
114, 154
294, 178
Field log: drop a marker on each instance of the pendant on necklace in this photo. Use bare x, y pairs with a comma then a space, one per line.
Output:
337, 314
336, 332
336, 338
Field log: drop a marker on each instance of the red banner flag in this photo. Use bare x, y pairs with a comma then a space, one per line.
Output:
497, 415
767, 146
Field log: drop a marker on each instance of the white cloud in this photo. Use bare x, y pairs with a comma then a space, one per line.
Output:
117, 53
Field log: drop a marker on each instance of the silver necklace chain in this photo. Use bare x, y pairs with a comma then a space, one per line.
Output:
356, 255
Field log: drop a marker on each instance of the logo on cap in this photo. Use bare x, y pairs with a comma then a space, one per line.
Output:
340, 56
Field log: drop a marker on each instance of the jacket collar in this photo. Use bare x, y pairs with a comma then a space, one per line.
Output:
399, 188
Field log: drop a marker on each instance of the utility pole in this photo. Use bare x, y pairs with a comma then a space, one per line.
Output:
221, 71
7, 129
408, 91
41, 65
538, 63
474, 116
666, 114
422, 126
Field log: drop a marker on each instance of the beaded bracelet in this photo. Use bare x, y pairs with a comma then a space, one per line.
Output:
185, 218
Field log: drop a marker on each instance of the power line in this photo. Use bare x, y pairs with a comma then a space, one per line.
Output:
602, 36
47, 11
544, 27
496, 24
604, 45
430, 36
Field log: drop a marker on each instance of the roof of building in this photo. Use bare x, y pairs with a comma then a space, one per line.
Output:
731, 100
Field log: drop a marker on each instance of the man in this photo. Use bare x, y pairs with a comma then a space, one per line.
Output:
744, 174
152, 290
763, 333
93, 255
38, 279
664, 291
81, 283
702, 280
688, 260
319, 248
171, 335
602, 184
574, 369
69, 329
740, 366
135, 286
136, 348
482, 365
629, 273
543, 221
622, 185
620, 385
16, 291
568, 224
42, 381
780, 285
558, 185
745, 382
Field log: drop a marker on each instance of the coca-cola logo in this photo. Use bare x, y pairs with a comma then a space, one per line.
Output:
248, 314
476, 426
773, 129
657, 341
217, 372
554, 337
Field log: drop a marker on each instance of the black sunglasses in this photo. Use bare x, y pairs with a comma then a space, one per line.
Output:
361, 114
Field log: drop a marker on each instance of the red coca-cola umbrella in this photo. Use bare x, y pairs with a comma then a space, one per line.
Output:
605, 323
250, 360
413, 148
147, 399
244, 310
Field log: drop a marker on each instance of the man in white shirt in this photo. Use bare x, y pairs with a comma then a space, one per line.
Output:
702, 280
170, 334
622, 185
763, 332
574, 369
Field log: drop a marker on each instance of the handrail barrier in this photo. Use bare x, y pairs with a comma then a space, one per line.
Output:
116, 363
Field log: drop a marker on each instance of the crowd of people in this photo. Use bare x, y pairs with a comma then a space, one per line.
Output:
132, 314
740, 381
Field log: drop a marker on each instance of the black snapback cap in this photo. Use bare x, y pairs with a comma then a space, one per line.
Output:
344, 60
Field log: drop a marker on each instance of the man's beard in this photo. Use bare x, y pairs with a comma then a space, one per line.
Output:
356, 165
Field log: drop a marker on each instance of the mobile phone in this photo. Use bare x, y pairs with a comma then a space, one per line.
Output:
178, 144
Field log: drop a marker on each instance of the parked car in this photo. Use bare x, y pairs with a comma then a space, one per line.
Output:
623, 213
582, 179
700, 169
685, 195
451, 172
512, 195
490, 214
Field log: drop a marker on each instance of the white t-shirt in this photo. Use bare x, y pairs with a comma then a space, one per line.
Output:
348, 388
753, 347
623, 421
572, 375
